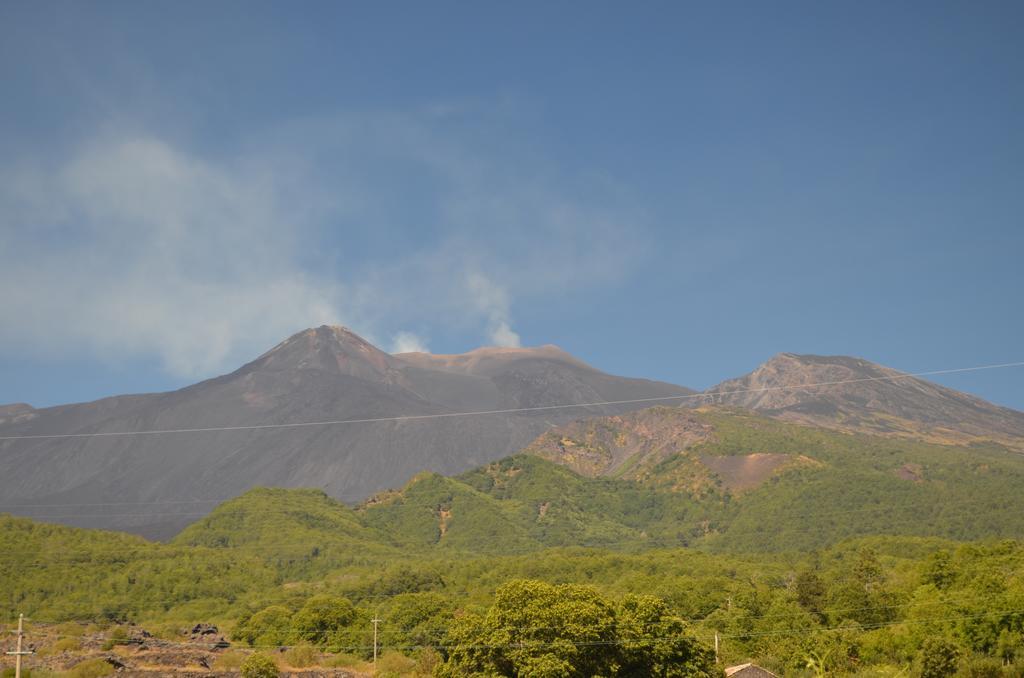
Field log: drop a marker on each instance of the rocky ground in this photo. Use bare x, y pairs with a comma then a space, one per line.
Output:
133, 651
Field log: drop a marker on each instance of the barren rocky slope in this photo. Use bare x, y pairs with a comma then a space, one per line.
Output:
856, 395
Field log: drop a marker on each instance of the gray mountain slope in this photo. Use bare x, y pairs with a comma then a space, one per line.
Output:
870, 398
322, 374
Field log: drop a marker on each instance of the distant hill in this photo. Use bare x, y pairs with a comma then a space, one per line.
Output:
756, 485
743, 482
326, 373
868, 398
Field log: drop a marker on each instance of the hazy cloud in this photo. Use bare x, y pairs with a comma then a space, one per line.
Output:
134, 245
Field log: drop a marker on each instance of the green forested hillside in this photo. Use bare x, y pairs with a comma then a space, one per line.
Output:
849, 557
836, 486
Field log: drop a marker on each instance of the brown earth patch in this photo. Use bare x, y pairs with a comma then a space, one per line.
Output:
911, 472
749, 471
623, 446
444, 515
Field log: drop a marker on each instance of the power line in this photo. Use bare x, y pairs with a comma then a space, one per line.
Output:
512, 410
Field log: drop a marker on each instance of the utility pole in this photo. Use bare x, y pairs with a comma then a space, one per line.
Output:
18, 654
716, 647
375, 621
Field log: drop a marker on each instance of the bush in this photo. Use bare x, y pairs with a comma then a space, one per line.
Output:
427, 661
394, 664
61, 645
229, 661
70, 629
91, 668
981, 667
116, 636
259, 666
301, 656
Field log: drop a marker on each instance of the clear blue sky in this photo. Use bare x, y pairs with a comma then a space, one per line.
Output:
671, 190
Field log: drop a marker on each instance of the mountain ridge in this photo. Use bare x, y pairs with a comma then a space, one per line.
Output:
856, 395
319, 374
329, 373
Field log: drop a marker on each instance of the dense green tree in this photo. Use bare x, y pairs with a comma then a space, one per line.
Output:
570, 631
321, 617
938, 658
867, 570
269, 626
938, 570
654, 642
415, 618
536, 629
810, 592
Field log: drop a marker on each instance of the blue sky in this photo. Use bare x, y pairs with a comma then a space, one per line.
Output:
669, 190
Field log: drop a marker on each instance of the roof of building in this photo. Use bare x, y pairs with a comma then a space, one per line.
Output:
748, 670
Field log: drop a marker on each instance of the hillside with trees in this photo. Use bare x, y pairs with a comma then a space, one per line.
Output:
845, 559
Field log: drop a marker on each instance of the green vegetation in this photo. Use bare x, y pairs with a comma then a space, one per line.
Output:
259, 665
841, 565
539, 629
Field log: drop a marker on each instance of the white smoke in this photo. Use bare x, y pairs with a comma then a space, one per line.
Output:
492, 300
408, 342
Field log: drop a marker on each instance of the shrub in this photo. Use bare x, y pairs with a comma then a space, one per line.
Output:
91, 668
61, 645
301, 656
229, 661
981, 667
427, 661
70, 629
259, 666
116, 636
394, 664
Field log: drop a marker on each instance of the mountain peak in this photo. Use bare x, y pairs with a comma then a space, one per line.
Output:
331, 348
16, 412
855, 394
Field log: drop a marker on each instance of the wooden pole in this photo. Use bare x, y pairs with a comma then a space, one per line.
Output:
18, 653
17, 657
375, 622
